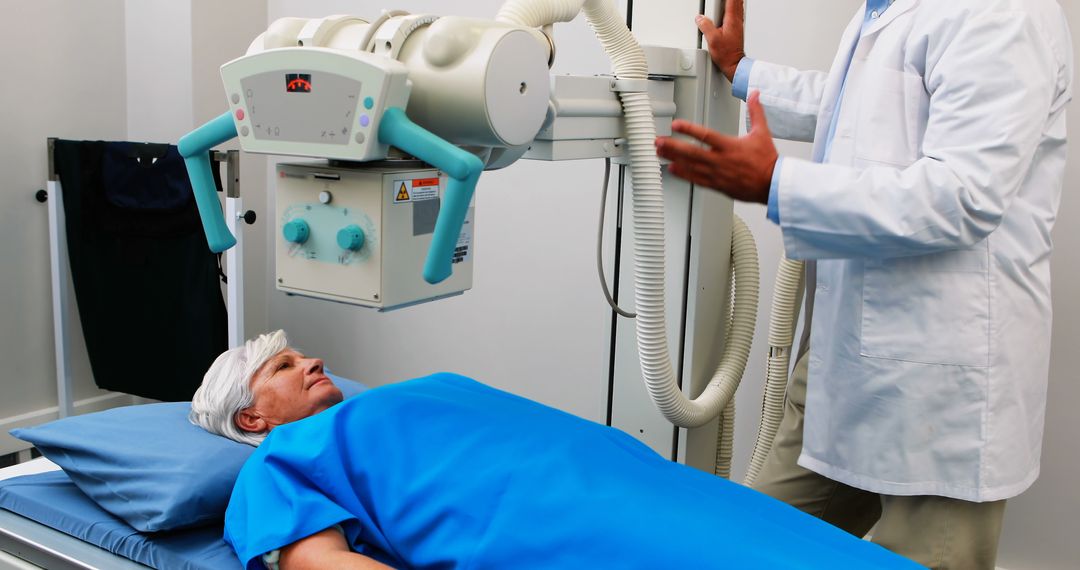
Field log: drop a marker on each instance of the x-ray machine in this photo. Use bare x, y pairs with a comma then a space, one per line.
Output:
408, 111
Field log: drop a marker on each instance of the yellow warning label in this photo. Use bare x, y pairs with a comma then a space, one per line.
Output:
403, 194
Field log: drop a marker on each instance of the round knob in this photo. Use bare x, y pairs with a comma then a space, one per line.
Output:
296, 231
249, 217
351, 237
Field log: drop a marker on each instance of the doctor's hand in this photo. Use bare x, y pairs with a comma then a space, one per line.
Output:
726, 42
741, 167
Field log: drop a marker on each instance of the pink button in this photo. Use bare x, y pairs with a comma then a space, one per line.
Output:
239, 114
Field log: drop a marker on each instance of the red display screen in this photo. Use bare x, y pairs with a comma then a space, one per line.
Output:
298, 82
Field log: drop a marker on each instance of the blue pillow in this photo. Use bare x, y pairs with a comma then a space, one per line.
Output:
148, 464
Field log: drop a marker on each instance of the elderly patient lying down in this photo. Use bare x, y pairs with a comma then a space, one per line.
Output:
444, 472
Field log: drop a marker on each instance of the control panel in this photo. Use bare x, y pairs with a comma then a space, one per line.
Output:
360, 235
317, 102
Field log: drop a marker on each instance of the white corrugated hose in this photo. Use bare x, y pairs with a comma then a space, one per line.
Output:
628, 63
787, 298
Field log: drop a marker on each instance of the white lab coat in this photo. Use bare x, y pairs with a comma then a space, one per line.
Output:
931, 223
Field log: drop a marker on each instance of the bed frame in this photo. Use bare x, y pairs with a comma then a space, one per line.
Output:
27, 545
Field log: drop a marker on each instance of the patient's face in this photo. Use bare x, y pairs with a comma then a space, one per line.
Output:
289, 387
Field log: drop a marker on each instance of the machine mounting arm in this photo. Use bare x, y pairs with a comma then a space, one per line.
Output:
194, 147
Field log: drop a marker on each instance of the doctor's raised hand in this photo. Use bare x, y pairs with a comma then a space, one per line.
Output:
726, 41
741, 167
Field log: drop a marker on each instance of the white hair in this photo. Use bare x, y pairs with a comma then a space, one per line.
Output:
226, 387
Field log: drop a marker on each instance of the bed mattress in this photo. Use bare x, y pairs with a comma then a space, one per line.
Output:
51, 499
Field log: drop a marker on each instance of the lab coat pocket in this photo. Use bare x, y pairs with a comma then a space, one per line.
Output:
891, 116
932, 309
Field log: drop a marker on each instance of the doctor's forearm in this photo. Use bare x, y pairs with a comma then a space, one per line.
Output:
990, 95
792, 97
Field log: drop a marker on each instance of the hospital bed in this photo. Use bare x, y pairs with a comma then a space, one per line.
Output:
175, 489
46, 522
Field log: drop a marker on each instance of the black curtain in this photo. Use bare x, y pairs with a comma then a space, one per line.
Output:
146, 283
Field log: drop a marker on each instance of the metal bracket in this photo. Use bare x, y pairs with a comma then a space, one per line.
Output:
51, 142
231, 159
630, 85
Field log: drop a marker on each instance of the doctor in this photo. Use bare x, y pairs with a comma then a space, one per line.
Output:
939, 152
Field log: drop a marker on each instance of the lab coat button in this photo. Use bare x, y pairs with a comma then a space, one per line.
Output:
874, 15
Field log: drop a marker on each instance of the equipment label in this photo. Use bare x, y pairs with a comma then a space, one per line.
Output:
464, 243
416, 190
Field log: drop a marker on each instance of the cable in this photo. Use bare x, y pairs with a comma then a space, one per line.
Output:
600, 247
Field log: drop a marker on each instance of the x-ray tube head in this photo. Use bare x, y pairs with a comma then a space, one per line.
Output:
477, 83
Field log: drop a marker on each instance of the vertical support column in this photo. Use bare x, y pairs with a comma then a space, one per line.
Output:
698, 231
234, 258
58, 263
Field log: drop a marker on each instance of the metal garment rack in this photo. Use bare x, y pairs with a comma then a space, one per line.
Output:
58, 258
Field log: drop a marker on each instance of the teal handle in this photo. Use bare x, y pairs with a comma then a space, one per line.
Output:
464, 170
195, 147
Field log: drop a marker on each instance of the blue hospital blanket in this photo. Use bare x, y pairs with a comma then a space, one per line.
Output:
444, 472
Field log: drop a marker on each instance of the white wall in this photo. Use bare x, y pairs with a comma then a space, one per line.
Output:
221, 32
65, 67
1040, 525
174, 52
159, 104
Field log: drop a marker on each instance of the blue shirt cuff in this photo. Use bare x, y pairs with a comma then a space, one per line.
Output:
773, 211
740, 82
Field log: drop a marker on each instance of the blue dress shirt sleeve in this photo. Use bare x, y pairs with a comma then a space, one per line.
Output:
740, 82
773, 211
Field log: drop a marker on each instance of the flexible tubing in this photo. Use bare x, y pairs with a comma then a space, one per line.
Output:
744, 296
725, 441
628, 62
600, 248
533, 14
782, 319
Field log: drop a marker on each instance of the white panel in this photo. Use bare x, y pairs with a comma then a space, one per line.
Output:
158, 34
632, 409
669, 23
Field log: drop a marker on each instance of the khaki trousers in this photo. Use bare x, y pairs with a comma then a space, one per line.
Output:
937, 532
